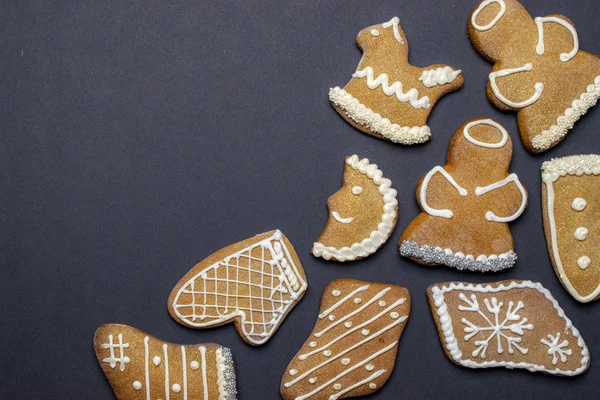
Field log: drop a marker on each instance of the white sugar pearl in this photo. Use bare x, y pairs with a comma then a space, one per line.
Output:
137, 385
194, 365
176, 388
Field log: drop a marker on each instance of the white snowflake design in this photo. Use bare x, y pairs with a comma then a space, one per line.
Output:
498, 329
556, 349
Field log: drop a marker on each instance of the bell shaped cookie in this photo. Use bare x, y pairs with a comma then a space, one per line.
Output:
388, 97
510, 324
254, 284
352, 349
362, 214
467, 204
571, 203
140, 366
539, 71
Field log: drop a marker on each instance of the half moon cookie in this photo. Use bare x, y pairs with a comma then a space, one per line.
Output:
140, 366
362, 214
539, 71
254, 284
388, 97
511, 324
571, 203
352, 349
467, 204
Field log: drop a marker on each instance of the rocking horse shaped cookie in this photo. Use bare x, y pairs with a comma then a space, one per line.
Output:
388, 97
539, 71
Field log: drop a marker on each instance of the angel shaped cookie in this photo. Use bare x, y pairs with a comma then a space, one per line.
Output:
467, 204
539, 71
388, 97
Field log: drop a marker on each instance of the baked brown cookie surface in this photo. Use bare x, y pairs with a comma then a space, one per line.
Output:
571, 204
388, 97
352, 349
139, 366
511, 324
539, 71
254, 283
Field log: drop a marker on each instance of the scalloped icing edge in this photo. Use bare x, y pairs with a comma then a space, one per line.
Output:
572, 165
450, 340
363, 115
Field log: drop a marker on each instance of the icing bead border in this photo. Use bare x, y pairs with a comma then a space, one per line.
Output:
226, 374
450, 339
437, 255
363, 115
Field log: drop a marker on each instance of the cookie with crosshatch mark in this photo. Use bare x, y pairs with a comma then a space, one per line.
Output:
352, 349
510, 324
140, 366
254, 284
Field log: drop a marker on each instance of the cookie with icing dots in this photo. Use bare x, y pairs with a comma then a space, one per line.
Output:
352, 349
539, 71
254, 284
362, 214
467, 204
140, 366
510, 324
388, 97
571, 202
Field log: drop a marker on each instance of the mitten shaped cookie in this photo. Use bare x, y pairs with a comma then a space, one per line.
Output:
539, 71
571, 202
467, 204
387, 97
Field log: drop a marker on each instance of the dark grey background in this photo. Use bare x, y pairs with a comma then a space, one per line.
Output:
139, 137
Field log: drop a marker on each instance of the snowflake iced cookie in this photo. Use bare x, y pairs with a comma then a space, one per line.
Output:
254, 284
511, 324
352, 349
388, 97
362, 214
467, 204
539, 71
571, 202
140, 366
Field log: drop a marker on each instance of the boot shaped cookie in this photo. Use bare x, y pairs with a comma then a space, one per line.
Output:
254, 283
363, 214
467, 204
352, 349
571, 201
538, 70
140, 366
511, 324
387, 97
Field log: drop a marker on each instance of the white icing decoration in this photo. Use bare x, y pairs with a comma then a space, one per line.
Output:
166, 357
451, 341
490, 216
369, 367
357, 300
285, 284
394, 315
341, 220
220, 379
337, 386
335, 292
564, 57
489, 122
356, 190
376, 238
394, 24
156, 361
345, 361
581, 233
538, 87
146, 367
382, 303
293, 372
327, 353
375, 32
137, 385
584, 262
312, 380
363, 115
331, 317
423, 193
372, 386
579, 204
342, 301
395, 89
439, 76
348, 324
183, 373
557, 350
176, 388
494, 21
194, 365
122, 359
313, 344
365, 332
551, 172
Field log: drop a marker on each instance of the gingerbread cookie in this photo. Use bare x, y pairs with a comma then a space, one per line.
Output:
467, 204
387, 97
511, 324
254, 283
352, 349
539, 71
140, 366
362, 214
571, 199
